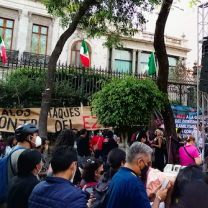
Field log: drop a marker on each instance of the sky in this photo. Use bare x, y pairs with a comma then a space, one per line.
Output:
182, 20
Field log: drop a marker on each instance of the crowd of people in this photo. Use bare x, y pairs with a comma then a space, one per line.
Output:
96, 173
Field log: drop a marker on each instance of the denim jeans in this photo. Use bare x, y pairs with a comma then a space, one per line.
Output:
82, 161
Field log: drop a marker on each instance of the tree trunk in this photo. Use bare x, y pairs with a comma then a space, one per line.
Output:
46, 97
160, 50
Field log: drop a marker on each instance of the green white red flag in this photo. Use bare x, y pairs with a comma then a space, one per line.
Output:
3, 50
84, 54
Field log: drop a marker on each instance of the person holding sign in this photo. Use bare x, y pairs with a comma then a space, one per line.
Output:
96, 143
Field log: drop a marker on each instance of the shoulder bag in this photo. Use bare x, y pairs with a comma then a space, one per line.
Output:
95, 147
188, 154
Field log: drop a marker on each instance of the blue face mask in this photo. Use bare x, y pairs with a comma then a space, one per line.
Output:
100, 134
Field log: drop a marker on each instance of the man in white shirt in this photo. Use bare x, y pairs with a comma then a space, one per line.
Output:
198, 139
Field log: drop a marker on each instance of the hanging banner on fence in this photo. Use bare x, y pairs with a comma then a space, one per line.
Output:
185, 118
58, 118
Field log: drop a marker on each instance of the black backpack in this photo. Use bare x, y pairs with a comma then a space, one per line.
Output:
102, 202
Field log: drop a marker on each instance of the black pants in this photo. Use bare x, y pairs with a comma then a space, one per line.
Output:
98, 154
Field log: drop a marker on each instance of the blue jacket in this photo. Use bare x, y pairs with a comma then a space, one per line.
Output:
127, 191
57, 193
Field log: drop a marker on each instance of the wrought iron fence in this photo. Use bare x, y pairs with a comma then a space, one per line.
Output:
23, 82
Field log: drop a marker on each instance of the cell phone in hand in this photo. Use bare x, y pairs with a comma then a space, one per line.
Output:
165, 183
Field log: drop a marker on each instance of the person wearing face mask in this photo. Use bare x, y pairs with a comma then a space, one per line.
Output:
43, 147
58, 191
26, 135
21, 186
126, 189
96, 144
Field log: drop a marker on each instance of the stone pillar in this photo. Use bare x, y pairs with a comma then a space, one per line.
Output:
133, 61
139, 62
108, 56
113, 59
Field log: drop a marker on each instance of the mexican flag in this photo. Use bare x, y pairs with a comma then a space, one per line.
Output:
3, 50
84, 55
151, 64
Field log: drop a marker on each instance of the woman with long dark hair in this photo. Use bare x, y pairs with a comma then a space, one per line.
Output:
116, 159
143, 137
11, 142
190, 188
66, 137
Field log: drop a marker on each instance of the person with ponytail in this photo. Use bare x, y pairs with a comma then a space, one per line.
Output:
116, 159
189, 153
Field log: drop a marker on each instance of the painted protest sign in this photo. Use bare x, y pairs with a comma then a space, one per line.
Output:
58, 118
185, 118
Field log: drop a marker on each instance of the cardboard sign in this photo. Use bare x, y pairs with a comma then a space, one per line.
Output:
58, 118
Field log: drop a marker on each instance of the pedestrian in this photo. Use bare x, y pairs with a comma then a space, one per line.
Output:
108, 144
190, 188
26, 135
11, 142
42, 149
159, 150
91, 174
180, 138
83, 148
198, 137
115, 137
143, 137
116, 159
58, 191
96, 144
189, 153
21, 186
126, 189
76, 137
66, 137
134, 137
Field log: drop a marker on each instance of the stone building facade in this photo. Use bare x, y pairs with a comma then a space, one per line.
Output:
30, 32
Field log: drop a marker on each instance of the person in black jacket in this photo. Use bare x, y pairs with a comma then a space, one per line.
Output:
22, 185
83, 148
108, 144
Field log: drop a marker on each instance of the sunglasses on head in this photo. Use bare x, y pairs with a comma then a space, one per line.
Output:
92, 162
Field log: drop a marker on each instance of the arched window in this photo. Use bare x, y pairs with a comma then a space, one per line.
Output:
75, 53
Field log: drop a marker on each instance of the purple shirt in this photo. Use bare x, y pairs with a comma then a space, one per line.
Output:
185, 159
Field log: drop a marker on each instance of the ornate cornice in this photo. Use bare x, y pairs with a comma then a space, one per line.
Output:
40, 19
9, 12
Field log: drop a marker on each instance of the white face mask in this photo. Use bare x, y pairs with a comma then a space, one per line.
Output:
37, 142
72, 179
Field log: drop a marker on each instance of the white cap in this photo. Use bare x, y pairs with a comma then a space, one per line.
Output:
38, 141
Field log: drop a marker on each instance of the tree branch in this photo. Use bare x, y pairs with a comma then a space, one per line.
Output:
46, 98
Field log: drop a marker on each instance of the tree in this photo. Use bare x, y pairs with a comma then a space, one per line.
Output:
127, 102
161, 53
112, 18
